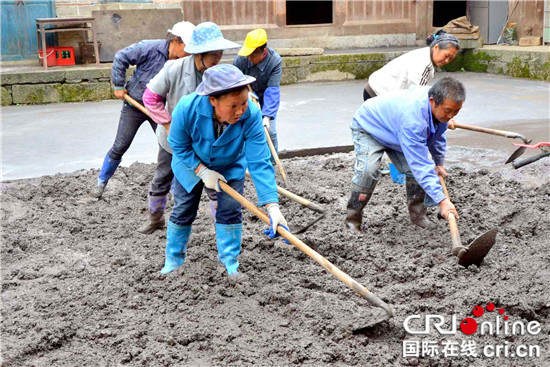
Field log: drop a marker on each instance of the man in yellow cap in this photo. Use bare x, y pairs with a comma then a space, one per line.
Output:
264, 64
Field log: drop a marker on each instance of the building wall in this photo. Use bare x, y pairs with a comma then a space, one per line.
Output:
528, 16
356, 23
84, 8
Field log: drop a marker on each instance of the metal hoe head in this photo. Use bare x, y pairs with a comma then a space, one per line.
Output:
307, 226
518, 152
371, 321
479, 249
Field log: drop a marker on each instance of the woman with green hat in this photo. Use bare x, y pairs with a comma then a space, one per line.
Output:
217, 135
177, 79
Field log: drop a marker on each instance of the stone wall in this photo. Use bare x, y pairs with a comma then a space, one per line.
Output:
516, 61
92, 83
55, 86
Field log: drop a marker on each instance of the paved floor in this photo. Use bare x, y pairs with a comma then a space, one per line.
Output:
46, 139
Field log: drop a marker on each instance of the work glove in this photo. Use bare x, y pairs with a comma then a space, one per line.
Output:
276, 219
162, 138
210, 178
266, 121
253, 96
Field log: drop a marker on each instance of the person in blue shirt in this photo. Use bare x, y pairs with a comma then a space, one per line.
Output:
217, 134
408, 125
149, 57
264, 64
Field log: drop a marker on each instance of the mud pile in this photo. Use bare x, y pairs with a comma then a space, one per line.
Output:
81, 287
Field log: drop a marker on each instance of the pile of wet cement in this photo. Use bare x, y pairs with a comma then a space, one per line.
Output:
81, 287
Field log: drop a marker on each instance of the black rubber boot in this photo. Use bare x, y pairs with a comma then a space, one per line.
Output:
354, 213
415, 202
156, 221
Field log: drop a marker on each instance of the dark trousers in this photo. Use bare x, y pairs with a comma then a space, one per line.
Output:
186, 204
130, 121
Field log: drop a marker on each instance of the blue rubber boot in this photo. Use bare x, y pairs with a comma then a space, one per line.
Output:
228, 240
107, 171
396, 176
177, 238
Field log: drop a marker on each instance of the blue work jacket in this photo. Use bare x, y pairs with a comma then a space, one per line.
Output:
268, 80
403, 121
149, 57
242, 145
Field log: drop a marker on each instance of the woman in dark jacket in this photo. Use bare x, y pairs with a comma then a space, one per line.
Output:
149, 57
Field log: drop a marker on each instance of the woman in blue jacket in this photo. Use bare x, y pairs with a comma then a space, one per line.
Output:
216, 134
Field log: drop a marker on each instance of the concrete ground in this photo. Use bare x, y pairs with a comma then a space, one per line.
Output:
46, 139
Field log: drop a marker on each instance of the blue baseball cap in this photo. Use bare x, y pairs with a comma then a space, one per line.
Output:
207, 37
222, 77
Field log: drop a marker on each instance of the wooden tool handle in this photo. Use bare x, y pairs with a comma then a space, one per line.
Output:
343, 277
136, 104
507, 134
298, 199
275, 156
456, 244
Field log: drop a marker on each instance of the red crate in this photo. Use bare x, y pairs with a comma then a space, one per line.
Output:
64, 55
50, 56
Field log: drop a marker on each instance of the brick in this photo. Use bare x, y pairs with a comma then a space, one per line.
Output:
530, 41
36, 93
6, 97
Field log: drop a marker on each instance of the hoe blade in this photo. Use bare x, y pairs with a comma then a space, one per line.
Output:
479, 249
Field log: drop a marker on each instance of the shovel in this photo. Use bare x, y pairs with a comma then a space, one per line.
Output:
327, 265
271, 146
544, 147
506, 134
476, 252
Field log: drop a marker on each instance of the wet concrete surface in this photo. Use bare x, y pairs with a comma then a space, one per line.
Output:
81, 287
46, 139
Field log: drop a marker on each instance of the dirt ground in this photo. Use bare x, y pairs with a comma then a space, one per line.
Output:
80, 287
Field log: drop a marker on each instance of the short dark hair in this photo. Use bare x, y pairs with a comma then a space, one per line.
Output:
173, 38
259, 49
222, 93
447, 88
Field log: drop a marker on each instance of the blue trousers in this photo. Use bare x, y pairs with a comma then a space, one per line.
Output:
368, 154
186, 204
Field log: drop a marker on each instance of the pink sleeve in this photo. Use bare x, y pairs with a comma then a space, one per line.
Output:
154, 104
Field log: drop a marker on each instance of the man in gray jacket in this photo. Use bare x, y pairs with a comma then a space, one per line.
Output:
149, 57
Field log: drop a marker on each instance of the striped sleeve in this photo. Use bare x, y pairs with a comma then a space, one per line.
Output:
426, 75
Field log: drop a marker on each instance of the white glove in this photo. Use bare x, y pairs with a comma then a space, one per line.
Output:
253, 96
210, 178
266, 121
162, 138
276, 218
